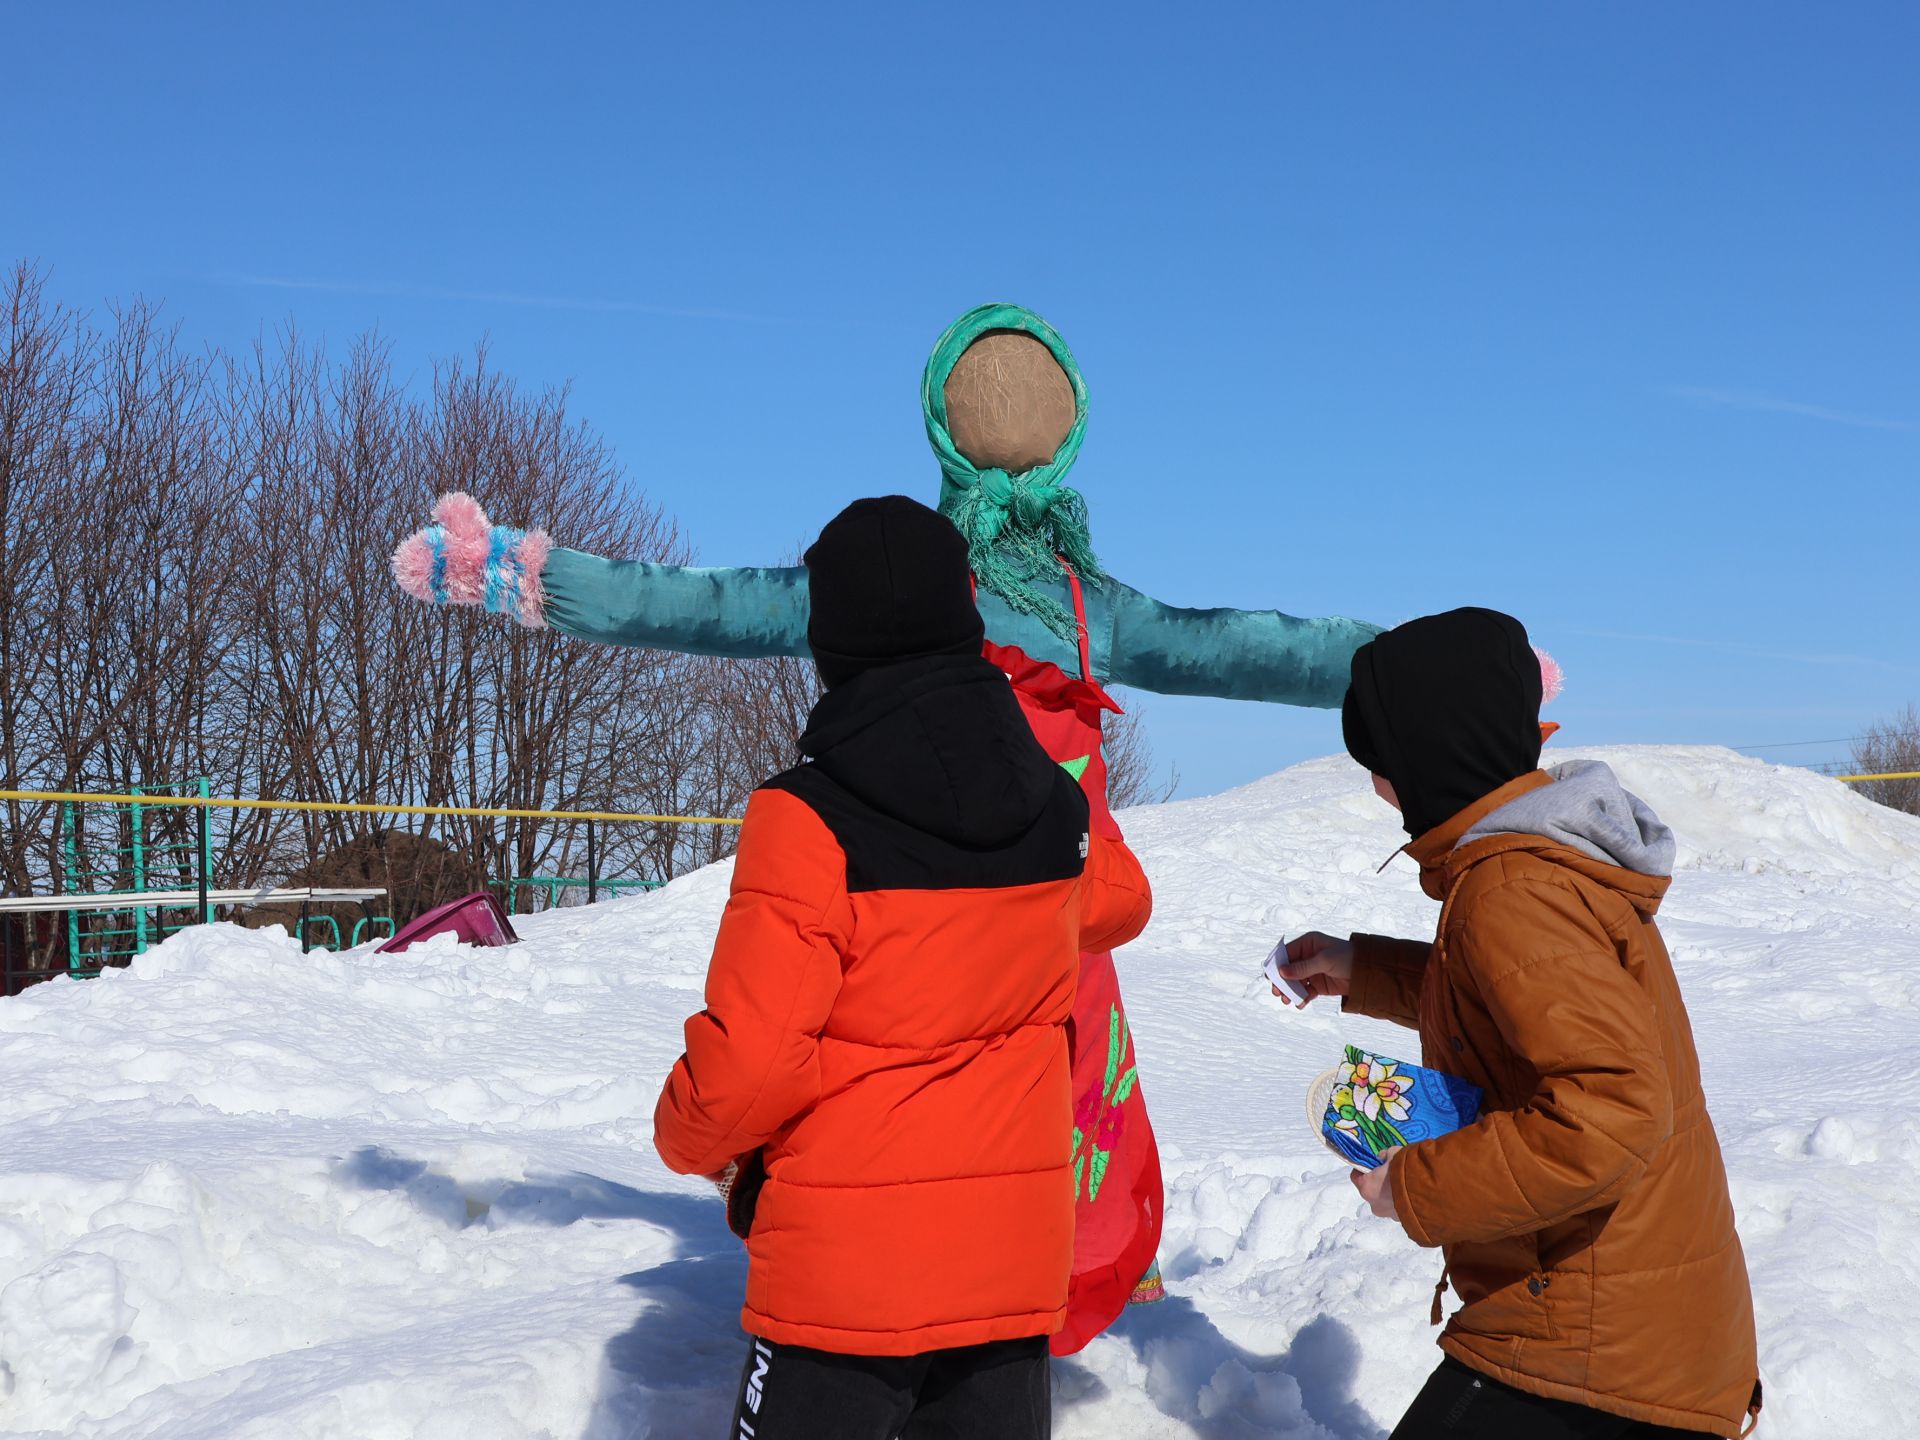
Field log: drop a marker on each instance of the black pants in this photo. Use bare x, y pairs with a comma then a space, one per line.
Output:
1001, 1391
1459, 1404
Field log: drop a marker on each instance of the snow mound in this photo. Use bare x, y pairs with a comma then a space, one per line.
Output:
250, 1193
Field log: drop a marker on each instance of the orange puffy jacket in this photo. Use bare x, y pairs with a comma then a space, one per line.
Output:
1585, 1217
886, 1019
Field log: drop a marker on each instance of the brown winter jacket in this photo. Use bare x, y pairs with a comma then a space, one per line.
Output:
1585, 1218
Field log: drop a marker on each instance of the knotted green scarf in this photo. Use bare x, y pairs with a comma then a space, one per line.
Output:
1017, 526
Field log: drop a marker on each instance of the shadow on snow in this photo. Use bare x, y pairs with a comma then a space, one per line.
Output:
1219, 1391
674, 1371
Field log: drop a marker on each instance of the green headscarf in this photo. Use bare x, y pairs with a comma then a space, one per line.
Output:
1017, 526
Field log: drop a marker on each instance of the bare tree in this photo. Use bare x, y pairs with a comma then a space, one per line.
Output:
754, 713
114, 477
42, 391
1891, 747
1130, 764
194, 549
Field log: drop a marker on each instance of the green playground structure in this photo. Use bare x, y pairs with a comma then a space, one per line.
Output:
557, 885
593, 883
362, 924
135, 849
332, 927
134, 867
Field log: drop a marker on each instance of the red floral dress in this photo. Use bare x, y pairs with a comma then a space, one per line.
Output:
1116, 1164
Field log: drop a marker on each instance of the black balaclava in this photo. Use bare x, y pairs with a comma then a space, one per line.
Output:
888, 581
1447, 708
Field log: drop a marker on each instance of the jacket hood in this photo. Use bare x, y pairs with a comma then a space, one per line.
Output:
887, 581
1447, 707
1592, 826
1586, 809
938, 744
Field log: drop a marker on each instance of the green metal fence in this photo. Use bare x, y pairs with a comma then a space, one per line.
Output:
155, 837
557, 885
134, 847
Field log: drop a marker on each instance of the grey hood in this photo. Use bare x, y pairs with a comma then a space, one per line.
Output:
1586, 810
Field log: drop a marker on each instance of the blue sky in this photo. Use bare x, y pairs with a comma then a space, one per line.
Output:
1603, 315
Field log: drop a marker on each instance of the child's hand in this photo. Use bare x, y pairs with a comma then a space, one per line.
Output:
1375, 1189
1321, 963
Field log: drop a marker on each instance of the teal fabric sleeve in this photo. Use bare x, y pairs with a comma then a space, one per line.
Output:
742, 612
1234, 654
1135, 640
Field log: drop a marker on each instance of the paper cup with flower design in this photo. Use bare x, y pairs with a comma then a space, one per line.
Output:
1370, 1104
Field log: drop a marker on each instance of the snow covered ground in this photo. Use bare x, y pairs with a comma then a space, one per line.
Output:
246, 1193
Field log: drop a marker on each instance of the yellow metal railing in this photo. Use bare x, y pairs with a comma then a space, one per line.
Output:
225, 802
222, 802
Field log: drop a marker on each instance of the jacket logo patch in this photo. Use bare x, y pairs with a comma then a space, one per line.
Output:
1085, 845
1077, 766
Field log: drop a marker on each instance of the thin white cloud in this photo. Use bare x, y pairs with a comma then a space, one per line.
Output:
1751, 651
487, 297
1747, 400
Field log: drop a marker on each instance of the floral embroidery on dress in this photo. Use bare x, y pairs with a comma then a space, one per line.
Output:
1100, 1118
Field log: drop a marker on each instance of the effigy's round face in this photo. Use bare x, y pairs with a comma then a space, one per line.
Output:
1009, 404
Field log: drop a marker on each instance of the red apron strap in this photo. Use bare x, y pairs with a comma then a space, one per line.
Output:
1079, 618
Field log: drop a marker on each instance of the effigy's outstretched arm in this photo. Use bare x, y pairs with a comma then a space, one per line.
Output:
1233, 654
740, 611
462, 559
751, 611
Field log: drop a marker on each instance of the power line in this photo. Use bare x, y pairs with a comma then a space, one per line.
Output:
1793, 744
1742, 749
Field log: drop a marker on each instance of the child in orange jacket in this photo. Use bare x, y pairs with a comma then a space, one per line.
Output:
882, 1062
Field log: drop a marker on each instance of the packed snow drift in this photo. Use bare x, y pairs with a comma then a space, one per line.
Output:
250, 1193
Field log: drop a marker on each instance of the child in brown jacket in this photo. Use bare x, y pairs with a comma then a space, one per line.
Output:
1584, 1217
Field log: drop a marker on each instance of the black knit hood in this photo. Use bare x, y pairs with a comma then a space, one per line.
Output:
938, 744
888, 581
1447, 708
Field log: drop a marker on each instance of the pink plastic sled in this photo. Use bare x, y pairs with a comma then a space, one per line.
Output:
476, 919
